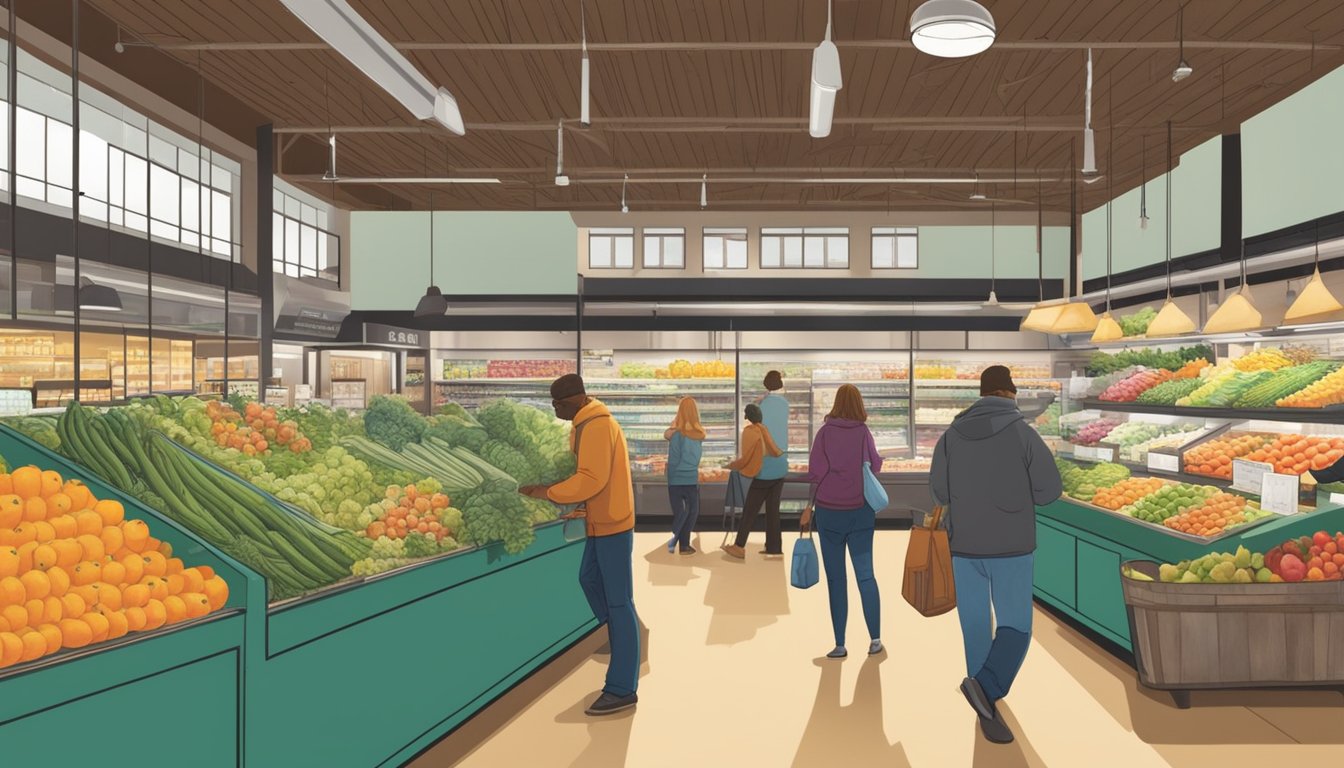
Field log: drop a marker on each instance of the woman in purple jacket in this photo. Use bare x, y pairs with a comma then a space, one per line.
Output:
843, 518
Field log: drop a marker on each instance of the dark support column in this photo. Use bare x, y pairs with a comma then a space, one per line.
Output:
74, 212
265, 259
1073, 288
13, 83
1230, 242
578, 330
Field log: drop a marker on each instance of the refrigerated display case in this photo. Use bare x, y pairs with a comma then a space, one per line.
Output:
472, 379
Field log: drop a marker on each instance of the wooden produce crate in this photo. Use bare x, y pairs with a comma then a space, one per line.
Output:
1222, 636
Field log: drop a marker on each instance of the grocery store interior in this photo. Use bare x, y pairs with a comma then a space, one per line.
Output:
292, 293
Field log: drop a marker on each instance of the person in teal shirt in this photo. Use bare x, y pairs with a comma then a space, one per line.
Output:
685, 439
768, 485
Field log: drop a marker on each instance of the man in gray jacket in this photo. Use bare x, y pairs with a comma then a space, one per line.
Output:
991, 470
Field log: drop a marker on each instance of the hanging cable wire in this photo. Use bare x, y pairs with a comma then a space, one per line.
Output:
1170, 186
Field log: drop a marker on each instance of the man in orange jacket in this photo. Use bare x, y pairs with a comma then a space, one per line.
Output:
601, 484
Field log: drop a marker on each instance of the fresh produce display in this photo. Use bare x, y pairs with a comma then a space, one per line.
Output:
637, 371
1169, 501
1228, 390
1136, 323
1104, 382
1095, 431
1083, 484
1268, 359
1213, 378
1102, 363
464, 369
1126, 492
254, 431
1319, 557
1218, 513
40, 428
926, 415
1329, 390
682, 369
393, 422
1127, 390
1240, 567
528, 369
935, 372
1299, 354
1296, 454
1180, 435
1168, 392
75, 572
1283, 383
1047, 424
1214, 457
1132, 433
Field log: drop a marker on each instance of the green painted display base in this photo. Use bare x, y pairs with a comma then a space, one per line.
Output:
1079, 551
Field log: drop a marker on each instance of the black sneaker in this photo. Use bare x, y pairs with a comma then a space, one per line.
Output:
609, 703
996, 730
975, 696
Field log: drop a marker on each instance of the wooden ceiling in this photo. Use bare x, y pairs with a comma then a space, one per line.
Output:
682, 88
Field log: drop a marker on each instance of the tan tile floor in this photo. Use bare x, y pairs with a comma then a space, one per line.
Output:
732, 678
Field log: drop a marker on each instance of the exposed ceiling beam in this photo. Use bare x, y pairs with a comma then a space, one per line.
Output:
752, 45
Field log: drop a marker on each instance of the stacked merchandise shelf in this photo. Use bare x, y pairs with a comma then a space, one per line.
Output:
887, 402
646, 407
474, 382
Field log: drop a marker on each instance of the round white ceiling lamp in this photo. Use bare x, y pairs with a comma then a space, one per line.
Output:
952, 29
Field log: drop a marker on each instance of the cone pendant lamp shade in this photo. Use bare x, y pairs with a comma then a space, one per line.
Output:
1042, 318
1171, 321
1107, 329
1075, 317
1314, 304
1236, 314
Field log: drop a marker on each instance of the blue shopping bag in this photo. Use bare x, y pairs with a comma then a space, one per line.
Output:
873, 492
804, 571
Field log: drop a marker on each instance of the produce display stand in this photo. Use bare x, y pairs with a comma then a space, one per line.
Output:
1220, 636
1079, 550
186, 678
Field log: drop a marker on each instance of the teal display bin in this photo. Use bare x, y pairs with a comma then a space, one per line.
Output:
177, 689
1079, 551
371, 674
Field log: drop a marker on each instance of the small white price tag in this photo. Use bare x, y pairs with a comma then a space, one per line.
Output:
1164, 462
1337, 498
1278, 493
1093, 453
1248, 475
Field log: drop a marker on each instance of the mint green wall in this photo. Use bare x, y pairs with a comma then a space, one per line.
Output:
475, 252
1195, 208
1291, 163
965, 251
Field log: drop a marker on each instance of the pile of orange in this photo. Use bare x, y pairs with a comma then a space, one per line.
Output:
1126, 492
409, 511
1212, 518
256, 430
1214, 458
74, 571
1328, 390
1296, 454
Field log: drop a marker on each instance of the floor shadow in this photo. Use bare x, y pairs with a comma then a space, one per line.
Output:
1018, 754
745, 595
608, 737
672, 569
848, 735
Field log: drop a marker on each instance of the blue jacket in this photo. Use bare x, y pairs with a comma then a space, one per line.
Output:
775, 410
683, 460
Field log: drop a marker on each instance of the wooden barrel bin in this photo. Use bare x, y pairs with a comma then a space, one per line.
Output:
1209, 636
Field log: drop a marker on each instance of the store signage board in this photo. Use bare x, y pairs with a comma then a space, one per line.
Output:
599, 357
1163, 462
303, 393
1248, 475
392, 336
1278, 493
1094, 453
311, 322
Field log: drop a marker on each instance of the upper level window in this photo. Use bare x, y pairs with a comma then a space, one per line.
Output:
611, 248
895, 248
725, 248
664, 247
301, 243
804, 248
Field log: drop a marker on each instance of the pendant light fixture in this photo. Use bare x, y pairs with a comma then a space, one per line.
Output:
993, 300
1315, 303
561, 180
1171, 320
952, 29
1238, 312
102, 298
433, 303
1182, 70
624, 208
1089, 169
704, 191
1074, 316
584, 94
1107, 328
1042, 317
1143, 188
826, 82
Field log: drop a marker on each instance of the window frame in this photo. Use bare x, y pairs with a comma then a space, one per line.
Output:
293, 264
726, 235
661, 235
796, 244
896, 235
612, 234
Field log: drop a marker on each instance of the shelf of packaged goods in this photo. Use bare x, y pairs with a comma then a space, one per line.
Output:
1079, 549
1328, 415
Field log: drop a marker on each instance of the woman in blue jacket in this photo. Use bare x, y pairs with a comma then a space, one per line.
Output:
685, 439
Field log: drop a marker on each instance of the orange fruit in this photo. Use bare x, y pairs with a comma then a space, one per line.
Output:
135, 568
92, 546
68, 552
98, 624
175, 607
64, 526
59, 504
37, 611
175, 565
73, 605
44, 531
52, 635
51, 483
163, 547
12, 591
26, 551
34, 645
36, 584
16, 616
44, 557
113, 539
23, 533
206, 572
88, 593
217, 590
27, 481
175, 583
114, 573
109, 597
35, 508
155, 564
88, 522
6, 483
11, 649
111, 511
52, 609
135, 618
155, 614
9, 562
135, 595
80, 497
11, 510
86, 573
192, 581
197, 604
136, 533
75, 633
154, 545
117, 625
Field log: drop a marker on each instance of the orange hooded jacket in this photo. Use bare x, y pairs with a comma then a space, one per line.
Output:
602, 480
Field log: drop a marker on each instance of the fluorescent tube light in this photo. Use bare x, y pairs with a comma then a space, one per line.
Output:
826, 81
352, 37
415, 180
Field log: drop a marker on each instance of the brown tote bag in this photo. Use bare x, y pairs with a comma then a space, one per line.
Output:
928, 568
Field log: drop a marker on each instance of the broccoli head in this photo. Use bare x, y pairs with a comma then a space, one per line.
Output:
393, 422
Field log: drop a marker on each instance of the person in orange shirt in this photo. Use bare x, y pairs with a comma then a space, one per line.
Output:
756, 445
601, 485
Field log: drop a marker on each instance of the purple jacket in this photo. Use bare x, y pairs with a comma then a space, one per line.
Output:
835, 467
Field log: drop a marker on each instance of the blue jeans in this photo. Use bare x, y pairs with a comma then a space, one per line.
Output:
852, 529
994, 654
606, 576
685, 511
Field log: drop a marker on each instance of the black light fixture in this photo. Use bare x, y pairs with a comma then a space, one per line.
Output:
433, 303
101, 298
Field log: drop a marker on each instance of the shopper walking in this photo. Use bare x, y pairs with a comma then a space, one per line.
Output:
769, 482
843, 517
601, 484
685, 439
757, 444
991, 470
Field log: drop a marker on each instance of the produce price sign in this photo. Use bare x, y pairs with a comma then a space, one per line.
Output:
1164, 462
1249, 476
1278, 493
1094, 453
